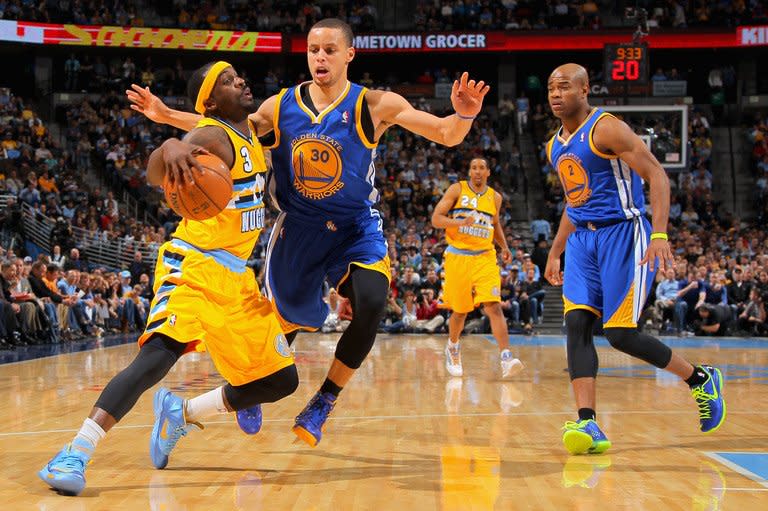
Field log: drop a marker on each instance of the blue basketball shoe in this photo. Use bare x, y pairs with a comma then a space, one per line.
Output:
249, 419
584, 437
65, 473
709, 398
170, 426
309, 423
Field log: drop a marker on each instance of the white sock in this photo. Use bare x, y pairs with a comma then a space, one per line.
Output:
90, 432
210, 403
452, 344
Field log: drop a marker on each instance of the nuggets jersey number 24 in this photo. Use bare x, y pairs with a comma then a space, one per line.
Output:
599, 188
323, 162
482, 208
238, 226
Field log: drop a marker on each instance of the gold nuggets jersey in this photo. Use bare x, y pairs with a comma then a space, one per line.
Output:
481, 207
238, 226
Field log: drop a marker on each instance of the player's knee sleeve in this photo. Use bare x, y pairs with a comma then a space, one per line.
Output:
264, 390
368, 293
582, 356
155, 358
639, 345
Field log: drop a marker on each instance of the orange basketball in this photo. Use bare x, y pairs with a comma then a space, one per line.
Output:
209, 195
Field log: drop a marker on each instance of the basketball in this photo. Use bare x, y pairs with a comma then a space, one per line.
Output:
208, 196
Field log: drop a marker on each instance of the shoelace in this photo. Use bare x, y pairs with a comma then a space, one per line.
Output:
572, 425
249, 414
173, 438
324, 410
70, 462
702, 400
455, 355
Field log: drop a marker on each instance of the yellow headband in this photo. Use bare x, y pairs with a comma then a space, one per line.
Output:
208, 82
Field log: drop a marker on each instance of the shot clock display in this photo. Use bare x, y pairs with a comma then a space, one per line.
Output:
625, 63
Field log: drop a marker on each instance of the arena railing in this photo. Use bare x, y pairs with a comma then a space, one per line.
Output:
95, 246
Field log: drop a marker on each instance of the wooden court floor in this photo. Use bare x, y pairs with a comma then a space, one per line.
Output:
405, 436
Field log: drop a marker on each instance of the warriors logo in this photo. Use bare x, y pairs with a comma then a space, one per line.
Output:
575, 180
316, 168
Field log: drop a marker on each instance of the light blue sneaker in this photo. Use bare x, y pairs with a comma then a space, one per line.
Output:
309, 423
249, 419
584, 437
65, 473
709, 398
170, 426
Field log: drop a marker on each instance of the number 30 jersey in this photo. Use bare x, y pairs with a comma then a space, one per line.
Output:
237, 227
323, 167
482, 208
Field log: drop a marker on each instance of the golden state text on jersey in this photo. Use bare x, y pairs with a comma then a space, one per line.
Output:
599, 188
323, 162
237, 227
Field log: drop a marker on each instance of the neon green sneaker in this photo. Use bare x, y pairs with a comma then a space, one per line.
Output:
584, 437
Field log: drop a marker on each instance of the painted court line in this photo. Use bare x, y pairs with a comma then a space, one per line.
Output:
402, 417
738, 468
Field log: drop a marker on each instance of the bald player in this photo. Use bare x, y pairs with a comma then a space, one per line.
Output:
611, 252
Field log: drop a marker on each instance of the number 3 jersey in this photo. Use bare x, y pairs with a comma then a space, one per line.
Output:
237, 227
323, 163
477, 236
599, 188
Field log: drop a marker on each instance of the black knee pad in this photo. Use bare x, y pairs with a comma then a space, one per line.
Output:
264, 390
367, 290
639, 345
155, 358
582, 356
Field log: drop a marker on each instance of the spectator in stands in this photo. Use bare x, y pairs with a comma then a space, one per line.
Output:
752, 320
666, 297
540, 227
74, 262
138, 267
715, 320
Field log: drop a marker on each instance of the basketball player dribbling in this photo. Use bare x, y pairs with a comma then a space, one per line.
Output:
201, 269
324, 135
611, 252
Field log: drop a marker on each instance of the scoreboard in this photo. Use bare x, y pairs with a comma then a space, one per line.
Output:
625, 63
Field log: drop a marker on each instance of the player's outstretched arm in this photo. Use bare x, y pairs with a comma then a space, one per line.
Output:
498, 232
466, 98
613, 136
144, 102
440, 218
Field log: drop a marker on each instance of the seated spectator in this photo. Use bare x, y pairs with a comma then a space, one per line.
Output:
752, 320
715, 320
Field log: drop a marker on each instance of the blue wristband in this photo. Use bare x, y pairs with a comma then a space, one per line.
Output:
465, 117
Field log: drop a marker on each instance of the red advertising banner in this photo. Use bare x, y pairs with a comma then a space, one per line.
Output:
140, 37
526, 41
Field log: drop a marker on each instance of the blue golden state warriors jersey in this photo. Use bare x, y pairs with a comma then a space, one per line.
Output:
599, 188
323, 164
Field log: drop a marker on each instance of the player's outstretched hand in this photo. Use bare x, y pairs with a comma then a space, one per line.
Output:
660, 250
144, 102
552, 271
506, 255
467, 95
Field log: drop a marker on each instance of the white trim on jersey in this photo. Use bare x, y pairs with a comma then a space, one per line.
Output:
641, 271
624, 187
278, 225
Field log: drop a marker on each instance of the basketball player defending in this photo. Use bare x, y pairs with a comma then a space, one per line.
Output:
472, 277
611, 252
201, 269
325, 134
